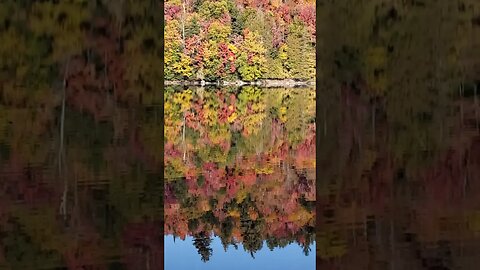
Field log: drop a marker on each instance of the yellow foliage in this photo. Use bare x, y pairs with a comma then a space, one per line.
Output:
204, 206
241, 195
301, 217
283, 52
233, 48
376, 59
283, 114
264, 170
184, 99
473, 221
220, 135
234, 213
218, 31
329, 246
232, 117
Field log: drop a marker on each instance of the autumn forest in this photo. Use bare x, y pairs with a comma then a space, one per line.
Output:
236, 39
376, 166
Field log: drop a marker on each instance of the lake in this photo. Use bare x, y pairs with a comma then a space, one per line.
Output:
239, 178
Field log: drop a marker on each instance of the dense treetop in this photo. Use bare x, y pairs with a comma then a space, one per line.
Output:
235, 39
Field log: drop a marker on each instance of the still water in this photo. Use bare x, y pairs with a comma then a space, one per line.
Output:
239, 178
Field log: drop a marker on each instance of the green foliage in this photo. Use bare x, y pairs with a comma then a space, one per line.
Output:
252, 61
211, 61
218, 32
256, 33
300, 61
192, 27
213, 9
177, 63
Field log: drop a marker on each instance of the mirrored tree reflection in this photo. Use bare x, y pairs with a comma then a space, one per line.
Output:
399, 138
240, 166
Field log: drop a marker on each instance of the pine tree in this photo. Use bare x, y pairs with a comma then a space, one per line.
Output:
202, 242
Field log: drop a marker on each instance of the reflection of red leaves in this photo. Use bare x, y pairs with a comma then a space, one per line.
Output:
192, 121
233, 99
223, 114
170, 151
146, 236
249, 179
232, 186
213, 176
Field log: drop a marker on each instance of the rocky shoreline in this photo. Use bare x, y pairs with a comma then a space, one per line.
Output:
238, 83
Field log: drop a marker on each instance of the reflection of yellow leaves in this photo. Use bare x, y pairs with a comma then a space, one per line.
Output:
232, 117
252, 122
241, 195
264, 170
473, 220
172, 132
283, 114
184, 99
300, 217
178, 165
376, 60
330, 246
370, 158
204, 206
219, 135
234, 213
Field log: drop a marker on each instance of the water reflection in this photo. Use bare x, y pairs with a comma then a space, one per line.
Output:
399, 199
100, 209
399, 141
240, 168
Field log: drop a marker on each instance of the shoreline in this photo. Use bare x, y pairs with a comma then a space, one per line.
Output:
262, 83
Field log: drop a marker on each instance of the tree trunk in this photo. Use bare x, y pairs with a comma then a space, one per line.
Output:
61, 154
183, 139
183, 24
461, 105
373, 123
476, 107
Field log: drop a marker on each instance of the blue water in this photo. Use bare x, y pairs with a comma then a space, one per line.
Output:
182, 255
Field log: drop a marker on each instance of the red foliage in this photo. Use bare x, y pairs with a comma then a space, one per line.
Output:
306, 13
146, 238
284, 13
249, 179
171, 11
227, 58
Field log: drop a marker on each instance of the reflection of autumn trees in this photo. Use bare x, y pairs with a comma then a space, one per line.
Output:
398, 187
398, 135
255, 121
376, 210
242, 168
108, 186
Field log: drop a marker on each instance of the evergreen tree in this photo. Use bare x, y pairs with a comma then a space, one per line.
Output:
202, 242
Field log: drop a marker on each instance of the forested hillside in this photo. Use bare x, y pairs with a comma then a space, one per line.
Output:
239, 39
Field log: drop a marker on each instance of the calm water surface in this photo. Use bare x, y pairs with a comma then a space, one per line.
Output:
399, 160
239, 178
